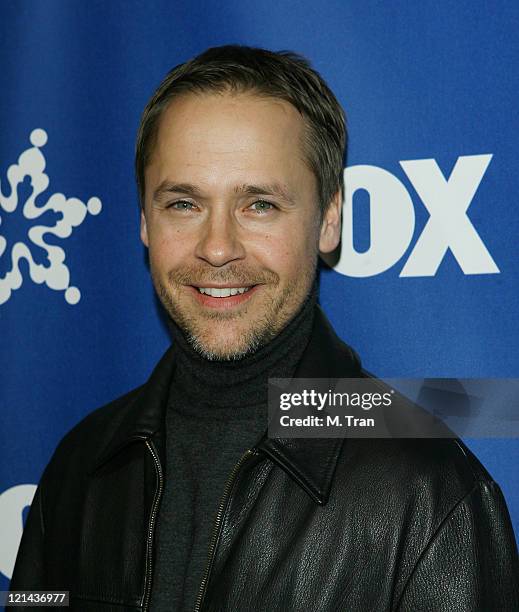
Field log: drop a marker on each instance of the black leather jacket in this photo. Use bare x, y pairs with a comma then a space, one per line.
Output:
313, 525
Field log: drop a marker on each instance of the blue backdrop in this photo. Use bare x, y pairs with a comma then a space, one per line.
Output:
427, 280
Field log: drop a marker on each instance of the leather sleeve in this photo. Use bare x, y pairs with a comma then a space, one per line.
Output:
29, 568
471, 563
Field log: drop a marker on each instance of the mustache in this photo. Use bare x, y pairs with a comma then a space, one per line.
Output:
231, 274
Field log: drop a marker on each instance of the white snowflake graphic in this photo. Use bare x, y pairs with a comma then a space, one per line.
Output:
68, 214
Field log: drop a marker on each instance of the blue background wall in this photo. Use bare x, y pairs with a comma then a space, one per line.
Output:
426, 80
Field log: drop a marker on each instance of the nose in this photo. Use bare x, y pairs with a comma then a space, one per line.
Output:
219, 242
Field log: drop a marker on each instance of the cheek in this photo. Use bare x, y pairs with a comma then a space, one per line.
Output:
284, 254
270, 249
166, 252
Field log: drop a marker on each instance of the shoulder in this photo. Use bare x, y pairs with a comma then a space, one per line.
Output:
103, 421
406, 490
86, 440
137, 412
423, 450
438, 462
411, 486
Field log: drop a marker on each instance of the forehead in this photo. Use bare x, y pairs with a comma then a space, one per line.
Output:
192, 114
233, 131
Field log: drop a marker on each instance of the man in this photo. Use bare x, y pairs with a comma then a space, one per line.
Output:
173, 497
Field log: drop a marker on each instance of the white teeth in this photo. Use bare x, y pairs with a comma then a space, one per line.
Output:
225, 292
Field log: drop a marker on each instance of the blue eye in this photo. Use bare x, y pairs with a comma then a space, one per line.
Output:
264, 206
184, 205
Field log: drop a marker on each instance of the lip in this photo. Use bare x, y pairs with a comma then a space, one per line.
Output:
223, 303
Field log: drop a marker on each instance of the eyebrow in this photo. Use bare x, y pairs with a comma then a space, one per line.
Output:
271, 189
167, 187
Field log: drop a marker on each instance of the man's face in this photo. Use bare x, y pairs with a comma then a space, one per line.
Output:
231, 207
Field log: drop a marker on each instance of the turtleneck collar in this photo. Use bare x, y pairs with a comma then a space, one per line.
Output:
242, 382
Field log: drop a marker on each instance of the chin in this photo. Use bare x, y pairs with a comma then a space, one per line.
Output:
218, 352
224, 346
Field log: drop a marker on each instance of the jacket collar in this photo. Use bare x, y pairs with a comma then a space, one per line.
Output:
310, 462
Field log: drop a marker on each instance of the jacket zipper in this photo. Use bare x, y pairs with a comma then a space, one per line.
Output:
217, 524
151, 525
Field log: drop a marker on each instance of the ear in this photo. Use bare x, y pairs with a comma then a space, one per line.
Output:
144, 229
330, 233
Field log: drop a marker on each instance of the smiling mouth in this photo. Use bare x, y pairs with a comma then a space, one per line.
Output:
222, 292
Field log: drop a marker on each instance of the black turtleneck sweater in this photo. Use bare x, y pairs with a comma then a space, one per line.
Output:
217, 410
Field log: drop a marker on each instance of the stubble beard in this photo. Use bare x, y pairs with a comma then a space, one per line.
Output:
277, 312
